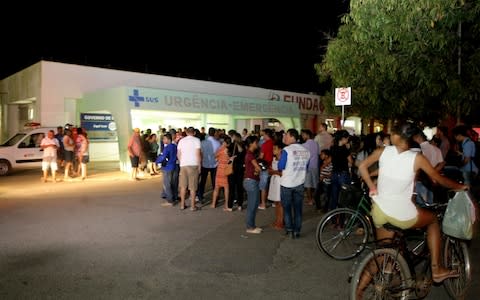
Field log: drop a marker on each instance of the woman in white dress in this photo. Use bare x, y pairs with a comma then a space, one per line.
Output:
274, 188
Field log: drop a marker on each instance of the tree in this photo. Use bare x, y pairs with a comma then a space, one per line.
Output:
401, 58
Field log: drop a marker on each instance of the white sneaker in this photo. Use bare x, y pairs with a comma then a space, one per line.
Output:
256, 230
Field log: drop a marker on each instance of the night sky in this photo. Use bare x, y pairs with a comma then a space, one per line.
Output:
271, 47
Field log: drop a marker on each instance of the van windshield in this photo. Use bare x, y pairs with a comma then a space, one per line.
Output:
14, 139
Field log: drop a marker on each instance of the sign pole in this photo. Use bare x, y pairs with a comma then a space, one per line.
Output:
343, 96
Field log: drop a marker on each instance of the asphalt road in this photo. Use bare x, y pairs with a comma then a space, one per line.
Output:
109, 238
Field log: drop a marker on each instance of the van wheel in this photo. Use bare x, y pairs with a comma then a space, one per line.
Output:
5, 167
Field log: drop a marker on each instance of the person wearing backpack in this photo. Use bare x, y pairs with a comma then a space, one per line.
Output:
467, 164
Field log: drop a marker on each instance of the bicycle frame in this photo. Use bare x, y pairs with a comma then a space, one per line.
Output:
363, 209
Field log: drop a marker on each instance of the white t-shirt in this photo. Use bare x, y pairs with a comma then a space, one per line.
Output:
50, 151
68, 143
324, 140
432, 153
188, 147
296, 167
395, 184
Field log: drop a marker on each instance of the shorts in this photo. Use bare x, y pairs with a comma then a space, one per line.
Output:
188, 177
68, 155
152, 156
380, 218
134, 160
49, 162
311, 178
85, 159
264, 180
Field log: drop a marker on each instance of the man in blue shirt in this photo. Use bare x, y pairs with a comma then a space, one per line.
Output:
168, 160
467, 165
209, 148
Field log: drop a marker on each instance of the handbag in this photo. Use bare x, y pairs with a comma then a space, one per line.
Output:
459, 217
229, 168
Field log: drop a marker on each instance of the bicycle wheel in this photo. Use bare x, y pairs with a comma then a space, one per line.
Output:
382, 274
342, 233
456, 257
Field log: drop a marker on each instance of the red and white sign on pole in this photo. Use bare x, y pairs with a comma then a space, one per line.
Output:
343, 96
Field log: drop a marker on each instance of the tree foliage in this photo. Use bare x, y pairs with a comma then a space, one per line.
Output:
401, 57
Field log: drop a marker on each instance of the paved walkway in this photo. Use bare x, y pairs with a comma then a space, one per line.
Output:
109, 238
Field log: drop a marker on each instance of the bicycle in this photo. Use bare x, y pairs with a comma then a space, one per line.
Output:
343, 232
398, 270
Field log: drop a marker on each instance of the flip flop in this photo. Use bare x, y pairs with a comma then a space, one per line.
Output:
441, 277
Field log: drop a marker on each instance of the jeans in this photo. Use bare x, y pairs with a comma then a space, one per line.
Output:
264, 180
253, 199
338, 178
424, 195
170, 184
292, 202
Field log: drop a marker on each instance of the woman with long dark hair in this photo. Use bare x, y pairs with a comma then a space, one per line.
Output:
251, 179
235, 180
342, 161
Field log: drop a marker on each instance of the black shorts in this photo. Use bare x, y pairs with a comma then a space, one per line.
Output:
134, 160
68, 155
152, 156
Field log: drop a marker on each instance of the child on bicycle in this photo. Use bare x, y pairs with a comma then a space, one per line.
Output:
392, 195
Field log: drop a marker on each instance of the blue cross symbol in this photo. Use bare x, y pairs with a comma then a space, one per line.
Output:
136, 98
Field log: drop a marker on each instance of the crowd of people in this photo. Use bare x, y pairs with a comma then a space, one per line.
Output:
269, 168
282, 169
66, 149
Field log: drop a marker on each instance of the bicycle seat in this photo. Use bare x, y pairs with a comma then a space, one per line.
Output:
391, 227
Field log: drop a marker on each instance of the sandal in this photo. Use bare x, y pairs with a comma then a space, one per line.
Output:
438, 278
194, 208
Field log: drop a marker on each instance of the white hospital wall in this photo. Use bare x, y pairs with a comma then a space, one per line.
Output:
55, 85
65, 81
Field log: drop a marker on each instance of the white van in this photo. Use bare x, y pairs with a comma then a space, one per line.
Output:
22, 151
